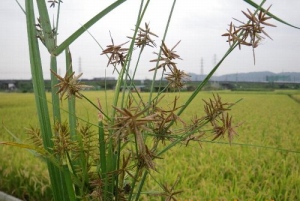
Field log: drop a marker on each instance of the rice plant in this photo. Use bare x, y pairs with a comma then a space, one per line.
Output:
112, 159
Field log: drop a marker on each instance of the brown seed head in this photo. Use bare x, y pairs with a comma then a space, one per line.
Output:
69, 84
143, 37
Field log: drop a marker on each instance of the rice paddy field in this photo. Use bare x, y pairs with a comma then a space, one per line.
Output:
262, 163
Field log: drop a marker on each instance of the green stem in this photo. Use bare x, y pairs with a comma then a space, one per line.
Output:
57, 22
137, 170
159, 53
54, 95
71, 99
131, 48
56, 177
102, 162
99, 109
46, 25
142, 182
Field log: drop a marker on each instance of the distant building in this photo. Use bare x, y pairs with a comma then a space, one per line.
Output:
278, 78
137, 88
104, 78
9, 85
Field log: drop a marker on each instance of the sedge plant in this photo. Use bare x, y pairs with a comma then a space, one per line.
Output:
113, 159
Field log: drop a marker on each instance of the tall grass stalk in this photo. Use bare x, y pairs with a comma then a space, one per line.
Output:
111, 161
57, 180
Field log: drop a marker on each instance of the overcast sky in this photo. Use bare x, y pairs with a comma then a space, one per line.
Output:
198, 24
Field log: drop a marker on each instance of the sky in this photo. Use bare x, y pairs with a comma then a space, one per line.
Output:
198, 24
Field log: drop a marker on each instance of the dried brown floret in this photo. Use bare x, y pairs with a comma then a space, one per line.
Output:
169, 192
176, 78
69, 84
164, 117
62, 140
117, 53
249, 33
53, 2
169, 56
143, 37
225, 126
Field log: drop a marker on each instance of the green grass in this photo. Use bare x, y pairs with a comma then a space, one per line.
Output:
264, 171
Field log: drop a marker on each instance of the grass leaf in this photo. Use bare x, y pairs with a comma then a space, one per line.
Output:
86, 26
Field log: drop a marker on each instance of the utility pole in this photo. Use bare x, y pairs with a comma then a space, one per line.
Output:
201, 70
215, 60
214, 64
79, 65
